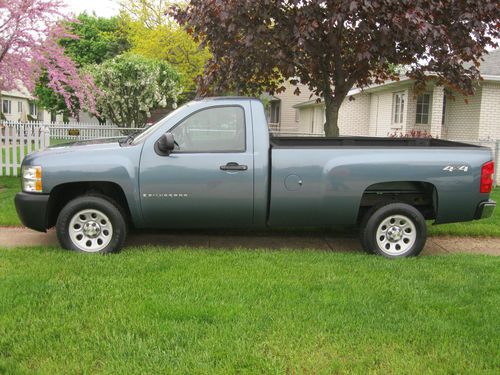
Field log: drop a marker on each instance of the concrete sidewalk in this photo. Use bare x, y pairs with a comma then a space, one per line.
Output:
17, 237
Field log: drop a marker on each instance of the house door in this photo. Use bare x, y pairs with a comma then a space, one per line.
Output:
318, 122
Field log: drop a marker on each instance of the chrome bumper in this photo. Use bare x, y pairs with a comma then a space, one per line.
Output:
485, 209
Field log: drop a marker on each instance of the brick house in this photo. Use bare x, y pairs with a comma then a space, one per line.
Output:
394, 107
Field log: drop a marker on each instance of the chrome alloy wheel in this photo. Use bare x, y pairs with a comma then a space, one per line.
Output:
90, 230
396, 235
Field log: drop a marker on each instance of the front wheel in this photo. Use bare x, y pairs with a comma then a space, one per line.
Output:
91, 224
395, 230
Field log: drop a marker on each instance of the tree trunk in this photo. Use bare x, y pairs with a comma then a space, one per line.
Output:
331, 126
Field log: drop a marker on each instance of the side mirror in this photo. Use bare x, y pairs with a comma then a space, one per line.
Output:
165, 145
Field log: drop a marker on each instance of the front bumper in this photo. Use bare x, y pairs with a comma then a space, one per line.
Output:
32, 210
485, 209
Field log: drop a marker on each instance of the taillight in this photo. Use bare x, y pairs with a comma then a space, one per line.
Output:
487, 177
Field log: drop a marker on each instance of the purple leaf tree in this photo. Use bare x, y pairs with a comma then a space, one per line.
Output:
333, 46
29, 34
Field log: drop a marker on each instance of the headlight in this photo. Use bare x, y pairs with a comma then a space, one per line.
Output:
32, 179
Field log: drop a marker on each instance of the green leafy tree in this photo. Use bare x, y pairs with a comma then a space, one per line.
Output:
131, 86
154, 35
98, 39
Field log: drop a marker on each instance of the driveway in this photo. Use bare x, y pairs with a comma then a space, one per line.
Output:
16, 237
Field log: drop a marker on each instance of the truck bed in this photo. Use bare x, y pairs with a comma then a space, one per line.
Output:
323, 181
324, 142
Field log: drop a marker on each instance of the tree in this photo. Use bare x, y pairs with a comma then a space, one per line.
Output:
150, 12
29, 31
99, 39
130, 86
95, 40
155, 36
333, 46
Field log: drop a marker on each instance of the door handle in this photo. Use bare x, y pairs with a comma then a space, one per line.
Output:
232, 166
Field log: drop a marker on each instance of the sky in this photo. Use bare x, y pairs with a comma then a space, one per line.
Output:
103, 8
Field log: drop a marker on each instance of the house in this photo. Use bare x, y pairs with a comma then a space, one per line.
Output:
395, 108
17, 105
20, 105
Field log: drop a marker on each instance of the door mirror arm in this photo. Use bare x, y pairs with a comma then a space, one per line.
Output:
165, 145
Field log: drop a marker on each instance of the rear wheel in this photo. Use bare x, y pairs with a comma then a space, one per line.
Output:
395, 230
91, 224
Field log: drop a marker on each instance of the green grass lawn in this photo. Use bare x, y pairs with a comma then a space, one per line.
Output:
489, 227
9, 186
160, 311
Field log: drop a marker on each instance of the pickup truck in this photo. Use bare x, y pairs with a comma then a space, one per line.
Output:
212, 164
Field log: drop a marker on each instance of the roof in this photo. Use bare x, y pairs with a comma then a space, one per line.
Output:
18, 93
490, 70
491, 64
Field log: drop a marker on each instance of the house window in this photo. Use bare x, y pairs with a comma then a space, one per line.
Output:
275, 110
398, 107
19, 107
6, 106
53, 116
33, 110
423, 108
297, 115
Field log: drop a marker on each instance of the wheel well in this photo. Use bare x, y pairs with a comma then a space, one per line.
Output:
421, 195
62, 194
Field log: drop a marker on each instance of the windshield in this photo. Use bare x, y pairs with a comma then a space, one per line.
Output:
143, 135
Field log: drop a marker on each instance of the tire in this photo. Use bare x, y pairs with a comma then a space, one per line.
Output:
395, 230
91, 224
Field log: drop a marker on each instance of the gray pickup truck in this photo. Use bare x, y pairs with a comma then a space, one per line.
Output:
212, 164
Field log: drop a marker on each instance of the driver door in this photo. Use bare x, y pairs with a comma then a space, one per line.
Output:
207, 181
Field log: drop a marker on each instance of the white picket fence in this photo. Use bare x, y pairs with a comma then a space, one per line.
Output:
82, 131
18, 140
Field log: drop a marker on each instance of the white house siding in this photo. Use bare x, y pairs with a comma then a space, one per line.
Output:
436, 111
354, 115
311, 119
14, 114
306, 115
319, 120
489, 120
411, 113
288, 117
373, 115
462, 120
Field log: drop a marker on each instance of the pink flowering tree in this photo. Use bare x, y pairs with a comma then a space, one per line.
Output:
29, 35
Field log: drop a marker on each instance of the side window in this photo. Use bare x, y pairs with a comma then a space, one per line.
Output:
6, 106
423, 109
398, 107
217, 129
